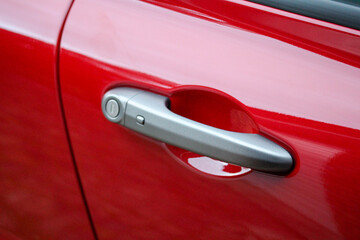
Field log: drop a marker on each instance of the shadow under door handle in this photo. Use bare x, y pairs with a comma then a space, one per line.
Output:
148, 113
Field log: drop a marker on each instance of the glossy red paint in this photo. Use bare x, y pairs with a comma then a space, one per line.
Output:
39, 193
207, 165
300, 89
205, 106
328, 39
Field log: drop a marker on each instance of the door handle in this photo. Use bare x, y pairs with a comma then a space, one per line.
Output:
148, 114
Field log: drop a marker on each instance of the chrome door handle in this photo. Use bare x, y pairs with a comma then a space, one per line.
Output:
147, 113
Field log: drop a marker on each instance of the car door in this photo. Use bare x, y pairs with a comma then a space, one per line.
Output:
40, 197
232, 65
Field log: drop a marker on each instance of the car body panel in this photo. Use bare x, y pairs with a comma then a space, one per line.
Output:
301, 88
39, 193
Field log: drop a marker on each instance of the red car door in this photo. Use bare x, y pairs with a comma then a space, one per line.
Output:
40, 196
233, 65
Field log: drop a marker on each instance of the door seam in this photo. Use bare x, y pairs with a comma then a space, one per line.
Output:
63, 115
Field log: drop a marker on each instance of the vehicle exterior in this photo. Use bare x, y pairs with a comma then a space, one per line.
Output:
68, 173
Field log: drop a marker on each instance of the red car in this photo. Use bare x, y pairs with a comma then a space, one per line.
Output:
179, 119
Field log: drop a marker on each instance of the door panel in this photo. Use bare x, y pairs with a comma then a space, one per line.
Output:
39, 193
299, 88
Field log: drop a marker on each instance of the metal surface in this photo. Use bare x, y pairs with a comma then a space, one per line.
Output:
40, 196
121, 97
298, 88
249, 150
112, 108
140, 120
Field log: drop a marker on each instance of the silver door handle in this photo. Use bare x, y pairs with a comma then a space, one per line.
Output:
148, 113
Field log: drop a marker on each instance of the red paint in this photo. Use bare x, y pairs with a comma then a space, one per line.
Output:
207, 165
39, 193
299, 87
325, 38
212, 108
216, 109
